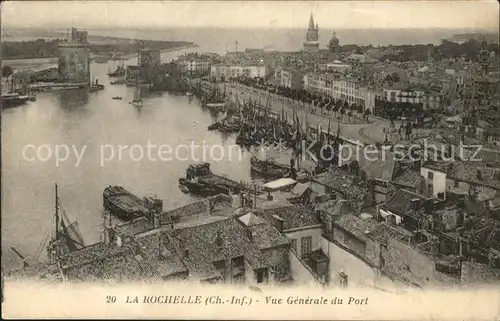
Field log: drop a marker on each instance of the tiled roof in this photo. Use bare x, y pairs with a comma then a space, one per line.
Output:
161, 255
408, 178
108, 262
466, 171
201, 244
293, 216
195, 208
266, 236
437, 166
356, 225
335, 207
400, 203
250, 219
341, 181
384, 232
134, 227
218, 203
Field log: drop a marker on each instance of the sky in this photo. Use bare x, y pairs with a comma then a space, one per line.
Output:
464, 14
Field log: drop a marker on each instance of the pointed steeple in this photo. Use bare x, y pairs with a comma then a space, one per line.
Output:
311, 22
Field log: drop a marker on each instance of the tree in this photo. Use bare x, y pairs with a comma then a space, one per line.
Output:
349, 114
342, 112
7, 71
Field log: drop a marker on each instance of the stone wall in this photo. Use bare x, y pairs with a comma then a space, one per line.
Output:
479, 274
412, 266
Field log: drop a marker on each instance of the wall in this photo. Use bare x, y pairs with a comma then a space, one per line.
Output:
359, 273
249, 275
349, 241
409, 264
74, 63
278, 258
474, 273
300, 273
462, 188
315, 233
438, 181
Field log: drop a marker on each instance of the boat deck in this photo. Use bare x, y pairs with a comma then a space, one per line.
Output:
129, 203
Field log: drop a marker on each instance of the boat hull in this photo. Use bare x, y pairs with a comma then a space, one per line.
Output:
122, 204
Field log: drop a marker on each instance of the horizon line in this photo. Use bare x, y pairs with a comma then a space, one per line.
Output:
54, 27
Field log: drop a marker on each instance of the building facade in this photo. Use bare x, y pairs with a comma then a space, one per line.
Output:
339, 87
403, 95
225, 71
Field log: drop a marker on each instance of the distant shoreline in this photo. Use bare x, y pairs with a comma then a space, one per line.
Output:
133, 55
126, 56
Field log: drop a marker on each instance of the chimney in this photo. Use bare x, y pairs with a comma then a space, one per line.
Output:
269, 196
242, 199
119, 242
156, 220
108, 234
414, 204
278, 223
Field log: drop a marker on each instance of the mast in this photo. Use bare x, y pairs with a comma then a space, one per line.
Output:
57, 215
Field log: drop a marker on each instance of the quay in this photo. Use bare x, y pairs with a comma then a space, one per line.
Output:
351, 133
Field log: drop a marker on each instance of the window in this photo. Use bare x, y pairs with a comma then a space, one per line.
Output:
294, 244
430, 189
430, 175
455, 183
306, 245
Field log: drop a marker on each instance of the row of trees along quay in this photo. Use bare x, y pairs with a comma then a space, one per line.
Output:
326, 103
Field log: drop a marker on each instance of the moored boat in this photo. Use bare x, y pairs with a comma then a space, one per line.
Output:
13, 100
122, 204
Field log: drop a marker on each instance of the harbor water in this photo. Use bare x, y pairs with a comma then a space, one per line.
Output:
94, 121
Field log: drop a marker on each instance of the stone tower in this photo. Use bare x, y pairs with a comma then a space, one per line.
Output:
74, 58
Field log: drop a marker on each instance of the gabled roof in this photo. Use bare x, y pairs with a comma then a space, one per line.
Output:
293, 216
250, 219
400, 203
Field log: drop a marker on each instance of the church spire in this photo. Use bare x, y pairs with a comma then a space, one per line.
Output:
311, 22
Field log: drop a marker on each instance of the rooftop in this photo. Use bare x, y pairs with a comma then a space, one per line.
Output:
356, 225
384, 232
470, 172
408, 178
341, 181
293, 216
401, 203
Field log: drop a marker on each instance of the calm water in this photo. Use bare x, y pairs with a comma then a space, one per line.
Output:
92, 120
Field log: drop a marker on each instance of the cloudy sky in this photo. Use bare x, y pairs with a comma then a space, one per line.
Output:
334, 14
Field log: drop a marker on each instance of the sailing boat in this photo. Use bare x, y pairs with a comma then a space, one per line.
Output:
66, 237
137, 101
